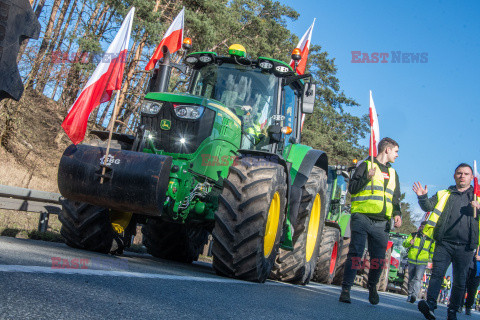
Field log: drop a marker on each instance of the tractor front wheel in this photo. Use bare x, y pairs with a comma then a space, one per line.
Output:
249, 220
173, 241
85, 226
342, 258
297, 266
328, 256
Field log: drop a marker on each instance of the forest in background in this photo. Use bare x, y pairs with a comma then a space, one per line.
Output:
76, 32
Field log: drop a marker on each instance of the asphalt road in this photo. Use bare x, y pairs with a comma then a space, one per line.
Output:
35, 285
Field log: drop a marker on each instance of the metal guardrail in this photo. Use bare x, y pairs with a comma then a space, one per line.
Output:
21, 199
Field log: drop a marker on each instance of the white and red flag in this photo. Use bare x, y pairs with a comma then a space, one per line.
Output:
476, 177
173, 39
104, 80
374, 129
303, 45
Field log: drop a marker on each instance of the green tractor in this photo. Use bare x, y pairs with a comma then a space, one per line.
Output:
223, 158
336, 233
398, 272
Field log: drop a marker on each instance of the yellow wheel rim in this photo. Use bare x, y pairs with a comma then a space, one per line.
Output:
272, 225
313, 224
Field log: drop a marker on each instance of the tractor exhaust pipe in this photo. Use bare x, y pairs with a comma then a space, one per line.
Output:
164, 72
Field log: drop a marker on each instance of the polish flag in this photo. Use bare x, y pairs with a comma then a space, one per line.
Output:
374, 129
476, 176
303, 45
104, 80
173, 39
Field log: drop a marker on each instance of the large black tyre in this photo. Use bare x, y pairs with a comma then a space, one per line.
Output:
383, 282
328, 256
404, 289
249, 220
173, 241
297, 266
342, 258
85, 226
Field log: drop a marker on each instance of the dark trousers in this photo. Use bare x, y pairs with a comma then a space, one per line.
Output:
460, 257
472, 285
376, 232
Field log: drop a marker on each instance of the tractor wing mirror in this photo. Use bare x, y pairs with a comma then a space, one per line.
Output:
308, 98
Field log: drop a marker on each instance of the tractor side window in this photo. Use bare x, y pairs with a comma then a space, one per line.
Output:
341, 188
288, 110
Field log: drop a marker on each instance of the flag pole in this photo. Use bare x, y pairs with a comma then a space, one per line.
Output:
110, 133
475, 208
371, 153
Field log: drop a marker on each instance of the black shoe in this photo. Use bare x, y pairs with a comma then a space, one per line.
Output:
468, 311
373, 294
413, 299
425, 310
451, 314
345, 296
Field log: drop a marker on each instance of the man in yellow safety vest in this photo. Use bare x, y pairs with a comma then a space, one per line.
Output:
419, 254
375, 199
454, 227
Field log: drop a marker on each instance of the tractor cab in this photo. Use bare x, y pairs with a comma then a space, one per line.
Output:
265, 94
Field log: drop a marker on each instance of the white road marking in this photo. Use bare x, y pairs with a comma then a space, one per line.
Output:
93, 272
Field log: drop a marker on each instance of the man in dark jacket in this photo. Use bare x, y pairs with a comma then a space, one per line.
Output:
453, 226
375, 199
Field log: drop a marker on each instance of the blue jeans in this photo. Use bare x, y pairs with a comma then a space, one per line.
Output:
415, 275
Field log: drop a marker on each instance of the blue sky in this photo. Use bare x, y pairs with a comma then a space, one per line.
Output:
427, 107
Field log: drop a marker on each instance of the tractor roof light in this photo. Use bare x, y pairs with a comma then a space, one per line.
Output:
187, 44
355, 161
237, 50
296, 54
265, 65
287, 130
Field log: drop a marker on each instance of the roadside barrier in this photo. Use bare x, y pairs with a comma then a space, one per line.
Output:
21, 199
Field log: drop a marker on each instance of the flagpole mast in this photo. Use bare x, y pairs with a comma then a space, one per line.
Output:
371, 153
110, 133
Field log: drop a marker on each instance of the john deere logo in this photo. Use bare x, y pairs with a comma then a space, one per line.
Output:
165, 124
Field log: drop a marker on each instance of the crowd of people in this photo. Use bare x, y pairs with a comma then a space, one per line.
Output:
448, 236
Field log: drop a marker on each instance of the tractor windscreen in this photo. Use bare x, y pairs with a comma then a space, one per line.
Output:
249, 93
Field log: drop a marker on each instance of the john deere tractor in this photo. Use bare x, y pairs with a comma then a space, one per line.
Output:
336, 233
224, 158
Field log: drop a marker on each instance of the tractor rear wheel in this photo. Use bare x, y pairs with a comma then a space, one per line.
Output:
383, 282
404, 289
328, 256
85, 226
297, 266
249, 220
173, 241
342, 258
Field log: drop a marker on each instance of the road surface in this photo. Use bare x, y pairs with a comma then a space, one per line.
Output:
35, 283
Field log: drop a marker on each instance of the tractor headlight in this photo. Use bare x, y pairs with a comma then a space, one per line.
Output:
189, 111
151, 107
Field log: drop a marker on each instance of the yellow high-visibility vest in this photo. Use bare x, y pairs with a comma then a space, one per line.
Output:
432, 219
422, 250
372, 203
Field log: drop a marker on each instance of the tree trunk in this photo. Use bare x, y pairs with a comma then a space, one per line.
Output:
74, 32
69, 94
47, 62
44, 45
38, 11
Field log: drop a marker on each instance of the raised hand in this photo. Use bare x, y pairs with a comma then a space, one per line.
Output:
371, 173
418, 189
